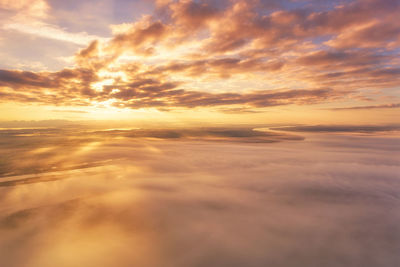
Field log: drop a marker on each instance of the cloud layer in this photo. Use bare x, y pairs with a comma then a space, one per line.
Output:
229, 53
185, 203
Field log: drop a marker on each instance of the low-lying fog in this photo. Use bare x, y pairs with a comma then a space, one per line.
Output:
215, 197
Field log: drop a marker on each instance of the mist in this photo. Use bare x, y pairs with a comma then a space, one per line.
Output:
123, 199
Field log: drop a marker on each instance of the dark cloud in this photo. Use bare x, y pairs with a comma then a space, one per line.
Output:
90, 51
15, 79
191, 99
339, 57
74, 88
139, 37
224, 67
193, 15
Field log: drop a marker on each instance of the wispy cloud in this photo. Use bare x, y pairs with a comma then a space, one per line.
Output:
393, 105
33, 17
41, 29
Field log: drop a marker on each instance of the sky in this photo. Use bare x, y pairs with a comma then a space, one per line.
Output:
195, 62
184, 133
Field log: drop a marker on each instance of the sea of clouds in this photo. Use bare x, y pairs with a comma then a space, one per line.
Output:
219, 198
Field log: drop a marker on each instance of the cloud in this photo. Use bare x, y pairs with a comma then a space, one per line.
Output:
141, 93
340, 128
33, 17
371, 35
31, 143
340, 57
181, 54
192, 15
185, 203
69, 111
238, 110
192, 99
30, 8
15, 79
44, 30
393, 105
140, 37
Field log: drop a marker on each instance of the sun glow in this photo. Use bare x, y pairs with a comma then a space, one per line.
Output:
99, 86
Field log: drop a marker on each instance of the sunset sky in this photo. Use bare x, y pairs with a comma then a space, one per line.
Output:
231, 61
199, 133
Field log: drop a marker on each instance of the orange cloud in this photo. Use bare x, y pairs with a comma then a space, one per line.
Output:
180, 56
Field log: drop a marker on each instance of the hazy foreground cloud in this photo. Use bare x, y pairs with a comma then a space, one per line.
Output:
37, 150
340, 128
177, 57
328, 200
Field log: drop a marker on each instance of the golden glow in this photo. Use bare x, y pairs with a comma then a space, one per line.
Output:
98, 86
187, 133
207, 66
